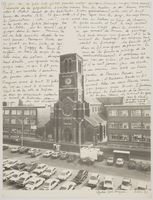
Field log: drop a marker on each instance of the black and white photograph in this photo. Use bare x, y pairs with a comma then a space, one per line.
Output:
76, 97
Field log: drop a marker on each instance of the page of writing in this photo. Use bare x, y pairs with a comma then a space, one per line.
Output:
113, 38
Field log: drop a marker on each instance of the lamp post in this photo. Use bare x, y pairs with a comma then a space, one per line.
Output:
22, 136
22, 132
79, 123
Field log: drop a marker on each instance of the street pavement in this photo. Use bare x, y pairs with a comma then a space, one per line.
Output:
98, 167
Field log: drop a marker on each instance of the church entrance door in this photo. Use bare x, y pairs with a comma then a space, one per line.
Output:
67, 135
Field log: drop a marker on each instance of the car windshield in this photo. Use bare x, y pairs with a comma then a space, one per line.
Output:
93, 178
31, 182
21, 179
48, 170
110, 159
15, 175
126, 183
46, 184
108, 182
39, 167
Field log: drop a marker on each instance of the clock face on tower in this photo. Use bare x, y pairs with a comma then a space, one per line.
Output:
67, 109
68, 81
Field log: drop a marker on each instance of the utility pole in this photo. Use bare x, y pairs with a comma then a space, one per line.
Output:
22, 132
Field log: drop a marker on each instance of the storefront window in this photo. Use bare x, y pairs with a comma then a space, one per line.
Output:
7, 112
123, 125
136, 125
112, 125
19, 112
123, 113
26, 121
146, 126
13, 112
146, 113
137, 138
146, 138
136, 113
115, 137
112, 113
26, 112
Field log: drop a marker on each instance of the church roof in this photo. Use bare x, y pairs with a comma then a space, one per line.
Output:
91, 100
111, 100
95, 120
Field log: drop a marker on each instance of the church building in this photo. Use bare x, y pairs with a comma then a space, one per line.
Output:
74, 121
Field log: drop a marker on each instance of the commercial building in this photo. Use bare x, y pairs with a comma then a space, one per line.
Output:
24, 119
129, 125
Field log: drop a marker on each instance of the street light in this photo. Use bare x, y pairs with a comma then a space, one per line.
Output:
79, 123
22, 123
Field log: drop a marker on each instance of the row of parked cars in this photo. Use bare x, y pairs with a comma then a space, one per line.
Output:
33, 176
34, 152
131, 164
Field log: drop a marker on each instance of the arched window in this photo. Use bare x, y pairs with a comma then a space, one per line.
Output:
65, 66
79, 66
70, 65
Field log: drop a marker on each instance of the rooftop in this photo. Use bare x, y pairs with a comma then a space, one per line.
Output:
128, 105
95, 119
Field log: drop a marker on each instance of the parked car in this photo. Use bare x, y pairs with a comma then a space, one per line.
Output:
11, 163
80, 177
5, 146
50, 184
126, 184
48, 172
132, 164
31, 150
34, 183
93, 180
110, 161
141, 186
55, 155
8, 174
69, 185
6, 161
15, 149
48, 154
64, 174
86, 161
64, 155
31, 166
24, 179
15, 177
40, 168
119, 162
107, 184
23, 150
71, 158
35, 153
20, 165
144, 166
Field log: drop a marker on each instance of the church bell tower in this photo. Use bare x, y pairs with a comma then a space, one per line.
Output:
70, 110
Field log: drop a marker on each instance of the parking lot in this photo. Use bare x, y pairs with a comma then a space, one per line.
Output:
100, 167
